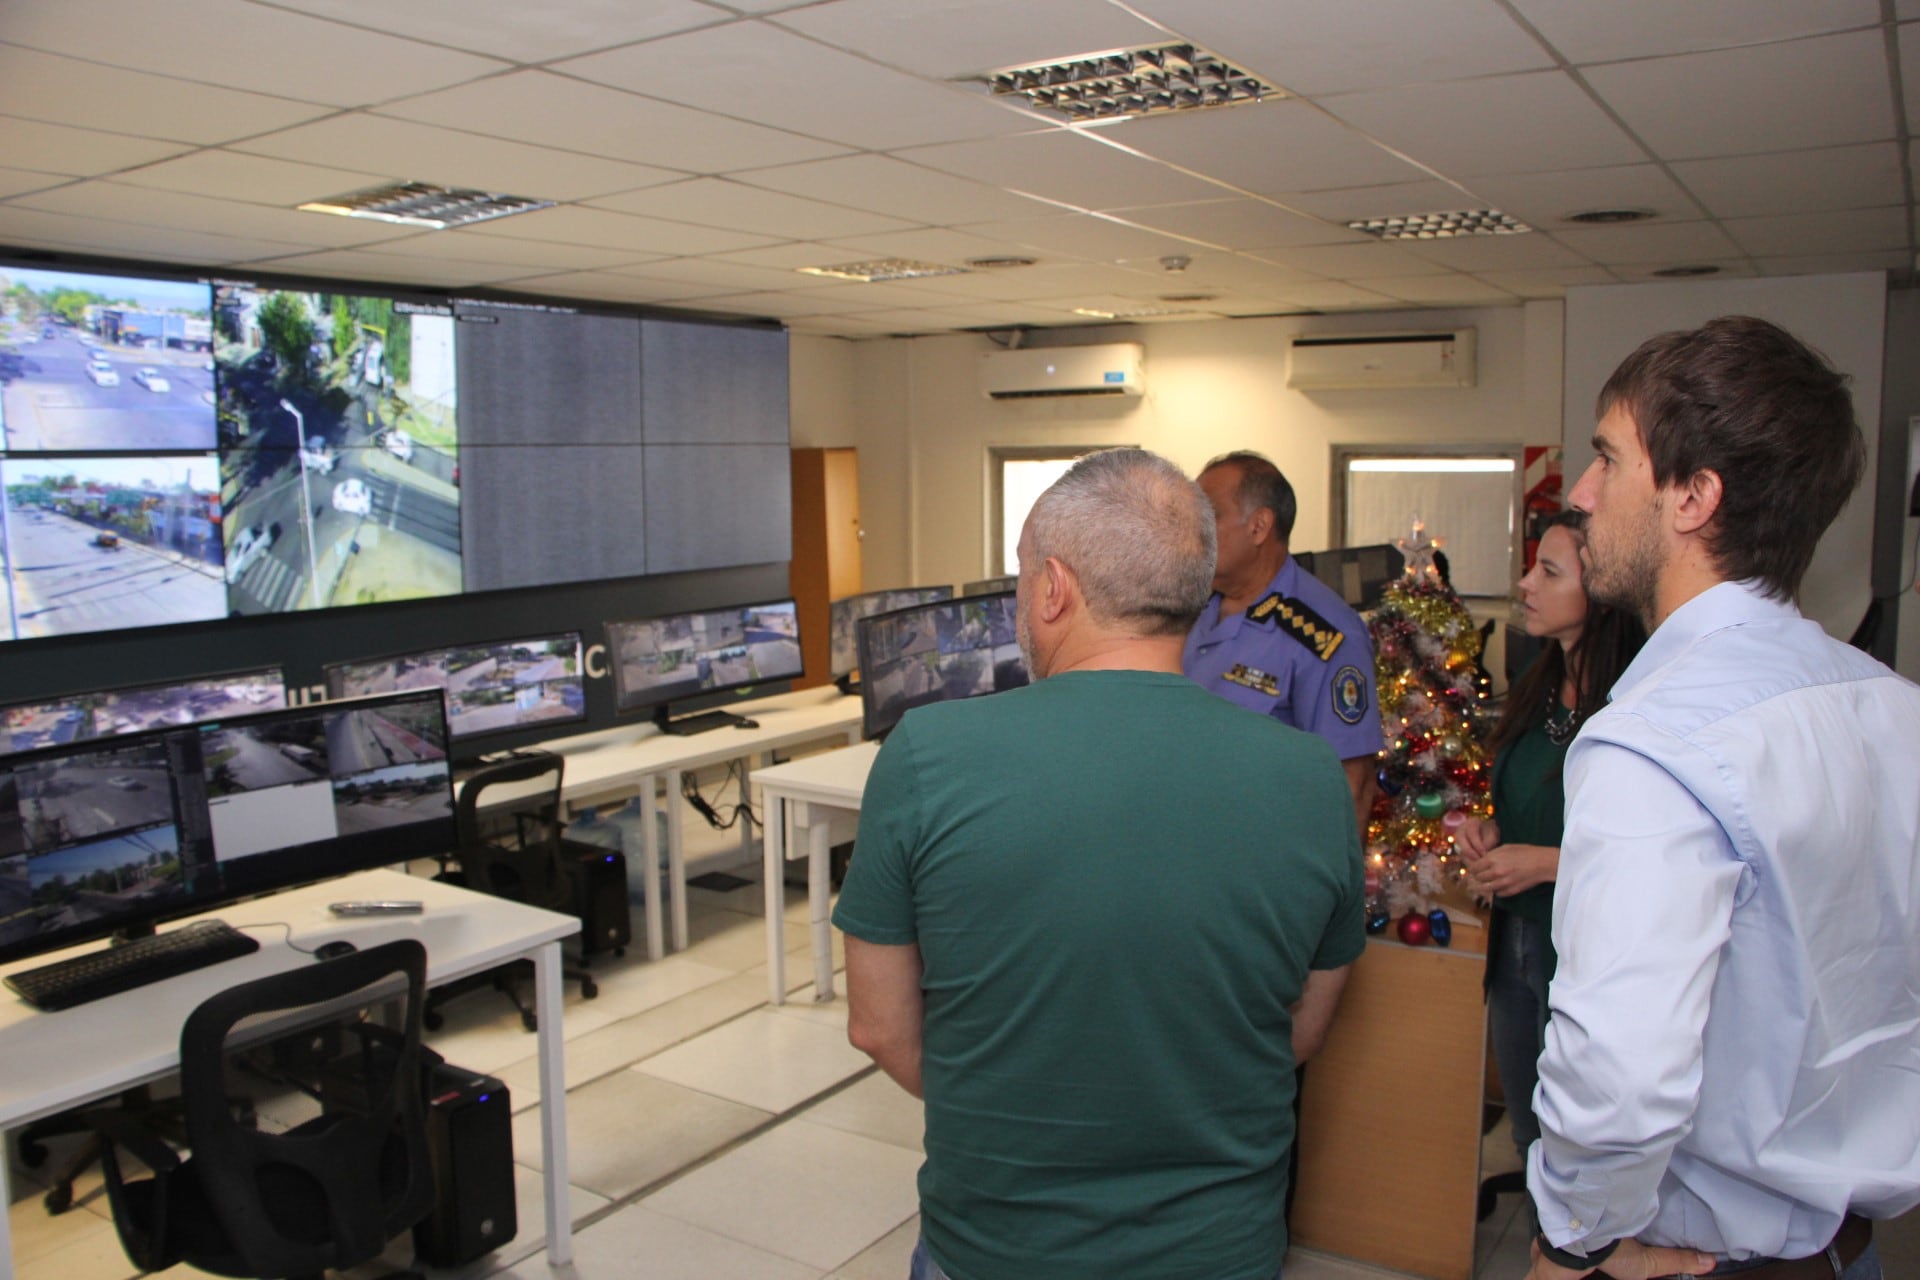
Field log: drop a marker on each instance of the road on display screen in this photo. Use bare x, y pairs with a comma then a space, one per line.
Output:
52, 404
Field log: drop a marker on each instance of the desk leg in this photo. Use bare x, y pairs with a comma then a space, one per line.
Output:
819, 909
553, 1102
676, 860
6, 1223
650, 873
773, 851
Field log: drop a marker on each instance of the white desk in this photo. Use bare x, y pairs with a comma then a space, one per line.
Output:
613, 764
819, 796
55, 1061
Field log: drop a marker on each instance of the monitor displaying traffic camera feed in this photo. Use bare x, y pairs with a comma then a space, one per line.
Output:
846, 615
113, 835
989, 586
491, 687
668, 659
338, 448
937, 653
106, 713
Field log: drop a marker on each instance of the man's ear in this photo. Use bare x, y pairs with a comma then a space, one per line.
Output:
1696, 500
1260, 525
1058, 589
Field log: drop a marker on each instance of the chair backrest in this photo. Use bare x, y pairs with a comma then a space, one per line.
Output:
332, 1192
524, 863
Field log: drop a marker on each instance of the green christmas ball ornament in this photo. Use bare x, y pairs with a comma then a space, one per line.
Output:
1430, 805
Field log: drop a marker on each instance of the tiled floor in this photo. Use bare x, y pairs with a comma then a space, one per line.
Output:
713, 1137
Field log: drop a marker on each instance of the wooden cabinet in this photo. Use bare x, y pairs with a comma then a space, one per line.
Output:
826, 547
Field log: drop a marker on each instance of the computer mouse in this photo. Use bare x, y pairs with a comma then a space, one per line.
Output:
334, 950
744, 723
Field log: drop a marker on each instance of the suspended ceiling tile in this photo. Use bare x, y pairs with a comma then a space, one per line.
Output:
141, 206
86, 95
555, 111
789, 257
14, 182
1639, 272
1907, 10
809, 302
524, 255
1083, 235
355, 264
714, 277
1833, 263
286, 54
654, 288
977, 314
1353, 261
913, 321
522, 32
1736, 101
597, 286
880, 294
54, 148
753, 71
723, 203
1333, 295
1349, 203
1330, 46
1552, 282
1211, 271
1544, 200
454, 158
949, 38
570, 225
1450, 290
1849, 231
1029, 283
228, 175
1621, 29
885, 185
1238, 224
1508, 124
124, 240
1265, 147
930, 244
1067, 165
1861, 177
1650, 242
1496, 253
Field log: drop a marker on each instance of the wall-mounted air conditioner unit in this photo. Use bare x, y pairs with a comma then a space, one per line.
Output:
1109, 369
1338, 362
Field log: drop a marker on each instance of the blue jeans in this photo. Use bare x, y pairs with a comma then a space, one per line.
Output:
1864, 1267
923, 1267
1517, 1007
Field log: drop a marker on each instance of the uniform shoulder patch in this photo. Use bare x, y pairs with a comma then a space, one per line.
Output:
1349, 694
1300, 622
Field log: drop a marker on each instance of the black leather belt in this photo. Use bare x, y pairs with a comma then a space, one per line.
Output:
1855, 1234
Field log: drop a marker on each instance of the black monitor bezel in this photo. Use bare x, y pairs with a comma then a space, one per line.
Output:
7, 752
623, 707
833, 670
288, 868
462, 744
869, 730
981, 587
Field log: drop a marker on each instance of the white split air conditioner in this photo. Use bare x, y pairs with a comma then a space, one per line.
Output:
1109, 369
1338, 362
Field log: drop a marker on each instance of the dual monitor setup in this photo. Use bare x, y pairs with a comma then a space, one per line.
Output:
920, 645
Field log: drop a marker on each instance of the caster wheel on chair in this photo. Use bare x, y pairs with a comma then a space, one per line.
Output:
589, 989
530, 1021
60, 1199
432, 1021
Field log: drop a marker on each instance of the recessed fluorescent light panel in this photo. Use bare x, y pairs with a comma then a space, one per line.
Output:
1133, 313
421, 204
1134, 82
882, 269
1442, 226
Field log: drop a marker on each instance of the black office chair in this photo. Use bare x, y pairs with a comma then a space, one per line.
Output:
516, 852
326, 1194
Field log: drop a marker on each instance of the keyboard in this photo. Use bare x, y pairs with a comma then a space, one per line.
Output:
98, 974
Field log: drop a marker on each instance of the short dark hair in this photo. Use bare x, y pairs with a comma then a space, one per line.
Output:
1261, 485
1745, 399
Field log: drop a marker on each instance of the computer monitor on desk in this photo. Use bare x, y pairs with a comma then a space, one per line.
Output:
935, 653
110, 837
106, 713
657, 661
844, 651
500, 693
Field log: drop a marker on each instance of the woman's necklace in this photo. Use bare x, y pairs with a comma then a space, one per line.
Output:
1562, 723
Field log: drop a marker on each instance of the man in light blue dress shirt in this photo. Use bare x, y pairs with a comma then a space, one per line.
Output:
1733, 1061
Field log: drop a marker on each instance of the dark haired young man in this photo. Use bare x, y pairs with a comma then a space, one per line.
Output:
1732, 1069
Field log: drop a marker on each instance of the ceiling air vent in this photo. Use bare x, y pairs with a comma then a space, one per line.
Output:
1441, 226
883, 269
1610, 216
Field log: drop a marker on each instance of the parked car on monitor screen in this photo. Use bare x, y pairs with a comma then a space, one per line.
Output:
249, 546
108, 539
353, 497
152, 380
319, 455
399, 444
102, 374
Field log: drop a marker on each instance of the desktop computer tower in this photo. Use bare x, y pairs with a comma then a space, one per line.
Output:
600, 898
470, 1141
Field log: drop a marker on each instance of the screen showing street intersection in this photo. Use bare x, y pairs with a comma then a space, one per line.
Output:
661, 660
935, 653
338, 448
491, 688
117, 833
107, 713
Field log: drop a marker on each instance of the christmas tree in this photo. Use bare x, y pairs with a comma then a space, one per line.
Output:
1434, 770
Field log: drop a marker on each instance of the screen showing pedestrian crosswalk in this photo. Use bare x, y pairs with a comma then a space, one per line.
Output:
491, 688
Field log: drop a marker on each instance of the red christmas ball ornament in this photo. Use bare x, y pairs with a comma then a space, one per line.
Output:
1415, 931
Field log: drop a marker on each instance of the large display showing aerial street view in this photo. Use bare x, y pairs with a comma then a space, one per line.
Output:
339, 469
507, 684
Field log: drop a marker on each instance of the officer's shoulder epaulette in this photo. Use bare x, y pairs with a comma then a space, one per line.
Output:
1301, 622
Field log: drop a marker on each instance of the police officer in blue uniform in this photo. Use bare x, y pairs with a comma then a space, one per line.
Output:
1274, 638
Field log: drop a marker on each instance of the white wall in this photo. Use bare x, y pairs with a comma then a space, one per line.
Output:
924, 430
1843, 316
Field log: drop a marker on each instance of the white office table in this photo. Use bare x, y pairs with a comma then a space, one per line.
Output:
55, 1061
613, 764
819, 796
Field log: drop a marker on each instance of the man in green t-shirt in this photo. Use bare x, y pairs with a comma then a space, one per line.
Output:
1095, 922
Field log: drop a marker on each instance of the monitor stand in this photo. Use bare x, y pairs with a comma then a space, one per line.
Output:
700, 722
